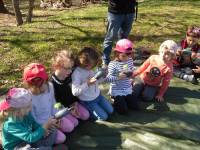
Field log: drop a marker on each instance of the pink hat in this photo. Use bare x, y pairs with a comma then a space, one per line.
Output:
124, 46
16, 98
194, 32
35, 71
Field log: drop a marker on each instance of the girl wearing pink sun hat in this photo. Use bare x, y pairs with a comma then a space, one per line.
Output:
119, 75
19, 129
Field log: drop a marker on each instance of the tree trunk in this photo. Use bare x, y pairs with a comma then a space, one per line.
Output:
30, 11
2, 7
18, 14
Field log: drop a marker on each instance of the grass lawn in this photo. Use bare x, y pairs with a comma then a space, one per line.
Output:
158, 20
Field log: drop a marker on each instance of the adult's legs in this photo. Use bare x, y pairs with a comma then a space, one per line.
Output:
114, 24
126, 25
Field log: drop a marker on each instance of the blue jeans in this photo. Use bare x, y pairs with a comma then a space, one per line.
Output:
99, 108
144, 92
119, 26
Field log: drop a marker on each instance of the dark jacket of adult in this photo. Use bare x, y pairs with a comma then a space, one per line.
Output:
121, 6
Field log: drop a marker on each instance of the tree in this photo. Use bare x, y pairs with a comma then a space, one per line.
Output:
30, 11
17, 12
2, 7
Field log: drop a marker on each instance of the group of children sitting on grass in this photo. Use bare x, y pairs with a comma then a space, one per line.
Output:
29, 112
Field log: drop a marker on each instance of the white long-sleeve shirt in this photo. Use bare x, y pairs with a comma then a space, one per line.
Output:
80, 87
43, 105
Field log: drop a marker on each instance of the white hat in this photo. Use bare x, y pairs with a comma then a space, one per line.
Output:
170, 45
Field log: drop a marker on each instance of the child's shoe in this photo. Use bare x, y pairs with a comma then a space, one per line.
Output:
190, 78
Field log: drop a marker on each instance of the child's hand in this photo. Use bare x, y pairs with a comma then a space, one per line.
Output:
196, 70
50, 124
91, 81
74, 110
159, 98
121, 76
178, 52
193, 55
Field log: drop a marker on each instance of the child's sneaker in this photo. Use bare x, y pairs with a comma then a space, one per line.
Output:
190, 78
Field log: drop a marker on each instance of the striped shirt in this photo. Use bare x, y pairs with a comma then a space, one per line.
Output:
119, 87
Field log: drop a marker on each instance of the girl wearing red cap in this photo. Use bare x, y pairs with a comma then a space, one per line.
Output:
155, 74
119, 76
63, 64
187, 66
43, 99
20, 130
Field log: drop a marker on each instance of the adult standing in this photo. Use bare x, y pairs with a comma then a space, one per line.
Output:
121, 14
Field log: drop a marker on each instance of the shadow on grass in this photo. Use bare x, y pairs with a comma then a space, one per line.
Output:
98, 136
179, 95
3, 91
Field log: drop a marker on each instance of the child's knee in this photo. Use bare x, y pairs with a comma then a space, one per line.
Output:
147, 97
84, 113
67, 125
60, 137
102, 116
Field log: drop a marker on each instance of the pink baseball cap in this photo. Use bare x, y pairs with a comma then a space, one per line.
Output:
124, 46
16, 98
35, 74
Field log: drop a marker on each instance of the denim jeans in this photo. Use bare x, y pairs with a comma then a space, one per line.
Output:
119, 26
144, 92
99, 108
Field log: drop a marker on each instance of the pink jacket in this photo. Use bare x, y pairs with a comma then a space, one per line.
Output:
163, 80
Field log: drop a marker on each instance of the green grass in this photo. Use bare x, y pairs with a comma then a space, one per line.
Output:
53, 30
158, 20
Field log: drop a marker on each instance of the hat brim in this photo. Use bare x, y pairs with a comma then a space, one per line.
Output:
122, 51
4, 105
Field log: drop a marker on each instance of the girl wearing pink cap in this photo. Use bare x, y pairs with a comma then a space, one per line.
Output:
119, 76
43, 99
155, 74
20, 130
187, 66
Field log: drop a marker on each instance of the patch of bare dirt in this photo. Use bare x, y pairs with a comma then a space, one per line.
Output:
7, 20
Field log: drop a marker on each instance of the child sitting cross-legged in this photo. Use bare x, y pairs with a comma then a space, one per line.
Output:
187, 64
20, 130
43, 100
63, 64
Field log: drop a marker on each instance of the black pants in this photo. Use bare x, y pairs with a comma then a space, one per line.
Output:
123, 103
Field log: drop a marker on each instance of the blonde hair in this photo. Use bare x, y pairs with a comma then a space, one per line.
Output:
14, 113
35, 89
61, 58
